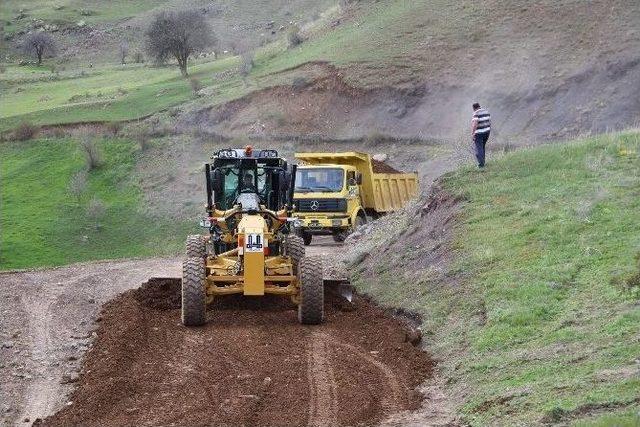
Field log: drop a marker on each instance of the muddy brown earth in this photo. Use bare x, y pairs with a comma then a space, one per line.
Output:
252, 364
70, 349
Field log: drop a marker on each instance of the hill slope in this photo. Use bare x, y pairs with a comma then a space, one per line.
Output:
402, 68
527, 278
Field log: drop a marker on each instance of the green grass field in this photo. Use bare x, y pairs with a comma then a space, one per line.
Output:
543, 326
104, 94
43, 224
114, 93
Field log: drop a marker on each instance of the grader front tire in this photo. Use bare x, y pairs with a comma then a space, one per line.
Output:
311, 307
194, 306
294, 247
195, 246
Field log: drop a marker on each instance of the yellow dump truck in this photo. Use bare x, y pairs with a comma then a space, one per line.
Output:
335, 193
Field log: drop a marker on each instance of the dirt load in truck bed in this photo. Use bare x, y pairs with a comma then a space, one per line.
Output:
382, 167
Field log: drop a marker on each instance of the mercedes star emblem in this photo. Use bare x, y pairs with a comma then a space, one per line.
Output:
315, 205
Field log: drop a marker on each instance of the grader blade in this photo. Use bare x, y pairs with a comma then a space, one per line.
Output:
340, 287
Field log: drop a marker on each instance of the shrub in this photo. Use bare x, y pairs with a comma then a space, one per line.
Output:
91, 151
25, 131
294, 37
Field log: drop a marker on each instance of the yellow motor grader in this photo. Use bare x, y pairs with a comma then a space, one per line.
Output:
250, 248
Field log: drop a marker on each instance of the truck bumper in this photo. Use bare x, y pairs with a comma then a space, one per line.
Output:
323, 225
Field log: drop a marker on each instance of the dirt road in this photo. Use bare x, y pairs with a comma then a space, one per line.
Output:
145, 368
46, 326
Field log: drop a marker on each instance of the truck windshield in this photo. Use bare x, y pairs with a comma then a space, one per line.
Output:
319, 179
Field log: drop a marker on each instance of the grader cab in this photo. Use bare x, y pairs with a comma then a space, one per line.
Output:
250, 248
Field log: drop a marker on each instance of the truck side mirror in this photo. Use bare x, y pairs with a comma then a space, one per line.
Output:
358, 178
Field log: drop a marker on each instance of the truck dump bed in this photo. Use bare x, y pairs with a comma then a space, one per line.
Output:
380, 192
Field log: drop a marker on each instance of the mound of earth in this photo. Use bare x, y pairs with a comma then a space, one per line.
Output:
251, 364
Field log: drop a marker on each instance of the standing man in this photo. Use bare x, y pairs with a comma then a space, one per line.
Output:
480, 129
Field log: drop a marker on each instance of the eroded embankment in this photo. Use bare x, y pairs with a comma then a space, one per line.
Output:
252, 364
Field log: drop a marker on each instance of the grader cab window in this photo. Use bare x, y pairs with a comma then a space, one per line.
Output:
239, 179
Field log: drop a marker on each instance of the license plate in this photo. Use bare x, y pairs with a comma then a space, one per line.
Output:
255, 242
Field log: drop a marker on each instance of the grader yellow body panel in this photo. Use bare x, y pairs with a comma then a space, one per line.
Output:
251, 231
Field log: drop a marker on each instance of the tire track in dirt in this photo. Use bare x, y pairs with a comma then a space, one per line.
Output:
43, 393
322, 384
397, 395
40, 396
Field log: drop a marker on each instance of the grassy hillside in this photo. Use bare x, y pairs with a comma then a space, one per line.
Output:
535, 309
43, 224
559, 54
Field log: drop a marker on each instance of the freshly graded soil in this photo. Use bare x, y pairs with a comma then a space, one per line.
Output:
251, 364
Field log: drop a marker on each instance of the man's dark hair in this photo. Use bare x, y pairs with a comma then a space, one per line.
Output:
476, 106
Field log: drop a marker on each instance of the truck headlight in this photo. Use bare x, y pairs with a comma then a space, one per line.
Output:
336, 222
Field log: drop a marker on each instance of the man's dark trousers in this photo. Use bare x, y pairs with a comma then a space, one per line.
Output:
480, 140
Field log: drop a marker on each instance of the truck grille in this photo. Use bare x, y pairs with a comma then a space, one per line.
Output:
321, 205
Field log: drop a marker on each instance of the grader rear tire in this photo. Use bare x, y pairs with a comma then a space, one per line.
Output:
294, 247
194, 306
311, 307
195, 246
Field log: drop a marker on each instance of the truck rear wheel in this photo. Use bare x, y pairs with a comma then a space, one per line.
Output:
195, 246
194, 306
311, 307
294, 247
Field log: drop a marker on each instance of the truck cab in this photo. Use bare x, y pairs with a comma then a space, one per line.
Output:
327, 199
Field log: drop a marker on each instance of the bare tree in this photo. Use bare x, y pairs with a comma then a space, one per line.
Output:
178, 34
39, 44
123, 50
90, 148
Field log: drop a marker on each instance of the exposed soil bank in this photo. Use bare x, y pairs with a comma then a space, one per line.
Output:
252, 364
